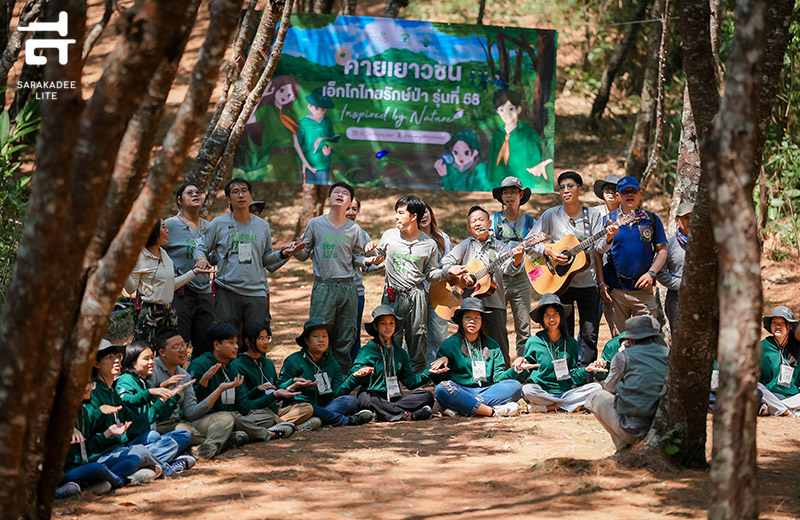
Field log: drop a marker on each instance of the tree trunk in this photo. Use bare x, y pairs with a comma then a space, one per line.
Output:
481, 11
729, 156
99, 27
30, 12
392, 9
642, 129
687, 176
625, 42
350, 7
6, 14
313, 198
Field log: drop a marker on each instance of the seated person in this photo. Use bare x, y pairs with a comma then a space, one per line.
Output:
153, 403
558, 382
600, 365
318, 378
210, 430
628, 401
477, 381
379, 369
260, 376
779, 374
252, 417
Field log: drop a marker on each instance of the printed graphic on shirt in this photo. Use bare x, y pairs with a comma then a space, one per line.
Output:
329, 244
401, 261
238, 238
191, 245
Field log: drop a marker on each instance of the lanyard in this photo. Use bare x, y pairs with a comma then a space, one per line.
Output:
319, 370
264, 378
387, 366
476, 346
554, 350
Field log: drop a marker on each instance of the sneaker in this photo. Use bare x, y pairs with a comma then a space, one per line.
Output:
236, 440
311, 424
422, 414
70, 489
205, 451
101, 488
181, 464
282, 430
507, 410
188, 460
143, 476
763, 410
362, 417
450, 413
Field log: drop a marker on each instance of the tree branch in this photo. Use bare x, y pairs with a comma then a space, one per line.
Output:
30, 11
655, 153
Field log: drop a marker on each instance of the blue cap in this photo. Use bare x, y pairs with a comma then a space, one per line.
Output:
627, 182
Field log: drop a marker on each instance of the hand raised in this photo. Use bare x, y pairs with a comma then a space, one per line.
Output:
364, 371
107, 409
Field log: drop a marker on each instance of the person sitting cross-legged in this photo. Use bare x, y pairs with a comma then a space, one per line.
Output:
318, 378
477, 381
628, 401
780, 377
379, 369
558, 382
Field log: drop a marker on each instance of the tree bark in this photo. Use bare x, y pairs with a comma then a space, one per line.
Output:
6, 15
99, 27
687, 176
12, 48
392, 9
481, 11
624, 44
350, 7
729, 156
642, 129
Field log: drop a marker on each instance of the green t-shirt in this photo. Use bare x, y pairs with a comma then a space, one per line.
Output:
242, 403
391, 361
310, 131
471, 179
772, 357
524, 152
256, 373
461, 366
539, 349
301, 365
611, 348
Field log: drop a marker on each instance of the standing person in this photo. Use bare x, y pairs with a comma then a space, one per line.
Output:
437, 326
353, 210
671, 274
210, 430
627, 403
411, 258
780, 377
242, 246
470, 366
335, 246
194, 302
571, 218
252, 416
511, 226
606, 190
558, 383
485, 247
635, 254
318, 378
260, 377
378, 370
154, 282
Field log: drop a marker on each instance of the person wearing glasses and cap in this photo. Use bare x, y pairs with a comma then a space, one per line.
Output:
780, 377
671, 274
380, 367
627, 403
511, 226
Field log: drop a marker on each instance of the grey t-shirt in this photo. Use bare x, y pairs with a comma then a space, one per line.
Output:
336, 252
188, 408
511, 233
556, 223
408, 264
223, 237
183, 240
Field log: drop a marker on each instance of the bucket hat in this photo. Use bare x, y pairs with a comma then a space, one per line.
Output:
469, 304
549, 299
259, 204
639, 327
684, 208
313, 324
106, 348
599, 184
381, 310
781, 311
511, 182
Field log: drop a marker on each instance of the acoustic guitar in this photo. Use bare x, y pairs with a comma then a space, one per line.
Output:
549, 277
447, 296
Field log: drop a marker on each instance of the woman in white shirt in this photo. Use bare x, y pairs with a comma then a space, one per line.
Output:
154, 282
437, 327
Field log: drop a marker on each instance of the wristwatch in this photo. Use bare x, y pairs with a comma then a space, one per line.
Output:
652, 273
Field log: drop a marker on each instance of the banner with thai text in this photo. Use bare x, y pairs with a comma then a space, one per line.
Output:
405, 104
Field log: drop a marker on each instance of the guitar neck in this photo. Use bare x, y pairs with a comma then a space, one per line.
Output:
624, 219
532, 241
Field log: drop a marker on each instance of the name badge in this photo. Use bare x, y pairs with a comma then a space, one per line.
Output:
479, 370
245, 253
84, 455
269, 392
560, 368
228, 396
392, 387
785, 376
323, 383
714, 379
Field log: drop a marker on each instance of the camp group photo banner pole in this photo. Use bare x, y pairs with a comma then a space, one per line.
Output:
405, 104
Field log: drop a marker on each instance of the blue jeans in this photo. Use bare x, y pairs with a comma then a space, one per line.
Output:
164, 447
95, 472
357, 343
321, 177
465, 400
337, 411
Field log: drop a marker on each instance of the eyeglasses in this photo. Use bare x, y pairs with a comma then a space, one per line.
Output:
192, 192
472, 319
243, 191
181, 347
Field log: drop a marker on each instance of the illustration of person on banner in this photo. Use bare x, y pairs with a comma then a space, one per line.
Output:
315, 134
515, 149
459, 167
269, 143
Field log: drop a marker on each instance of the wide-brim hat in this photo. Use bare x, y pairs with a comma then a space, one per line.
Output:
684, 208
318, 98
259, 204
511, 182
599, 184
468, 304
312, 324
639, 327
781, 311
380, 311
467, 136
549, 299
106, 348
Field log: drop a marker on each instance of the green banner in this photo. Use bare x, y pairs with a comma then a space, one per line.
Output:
405, 104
